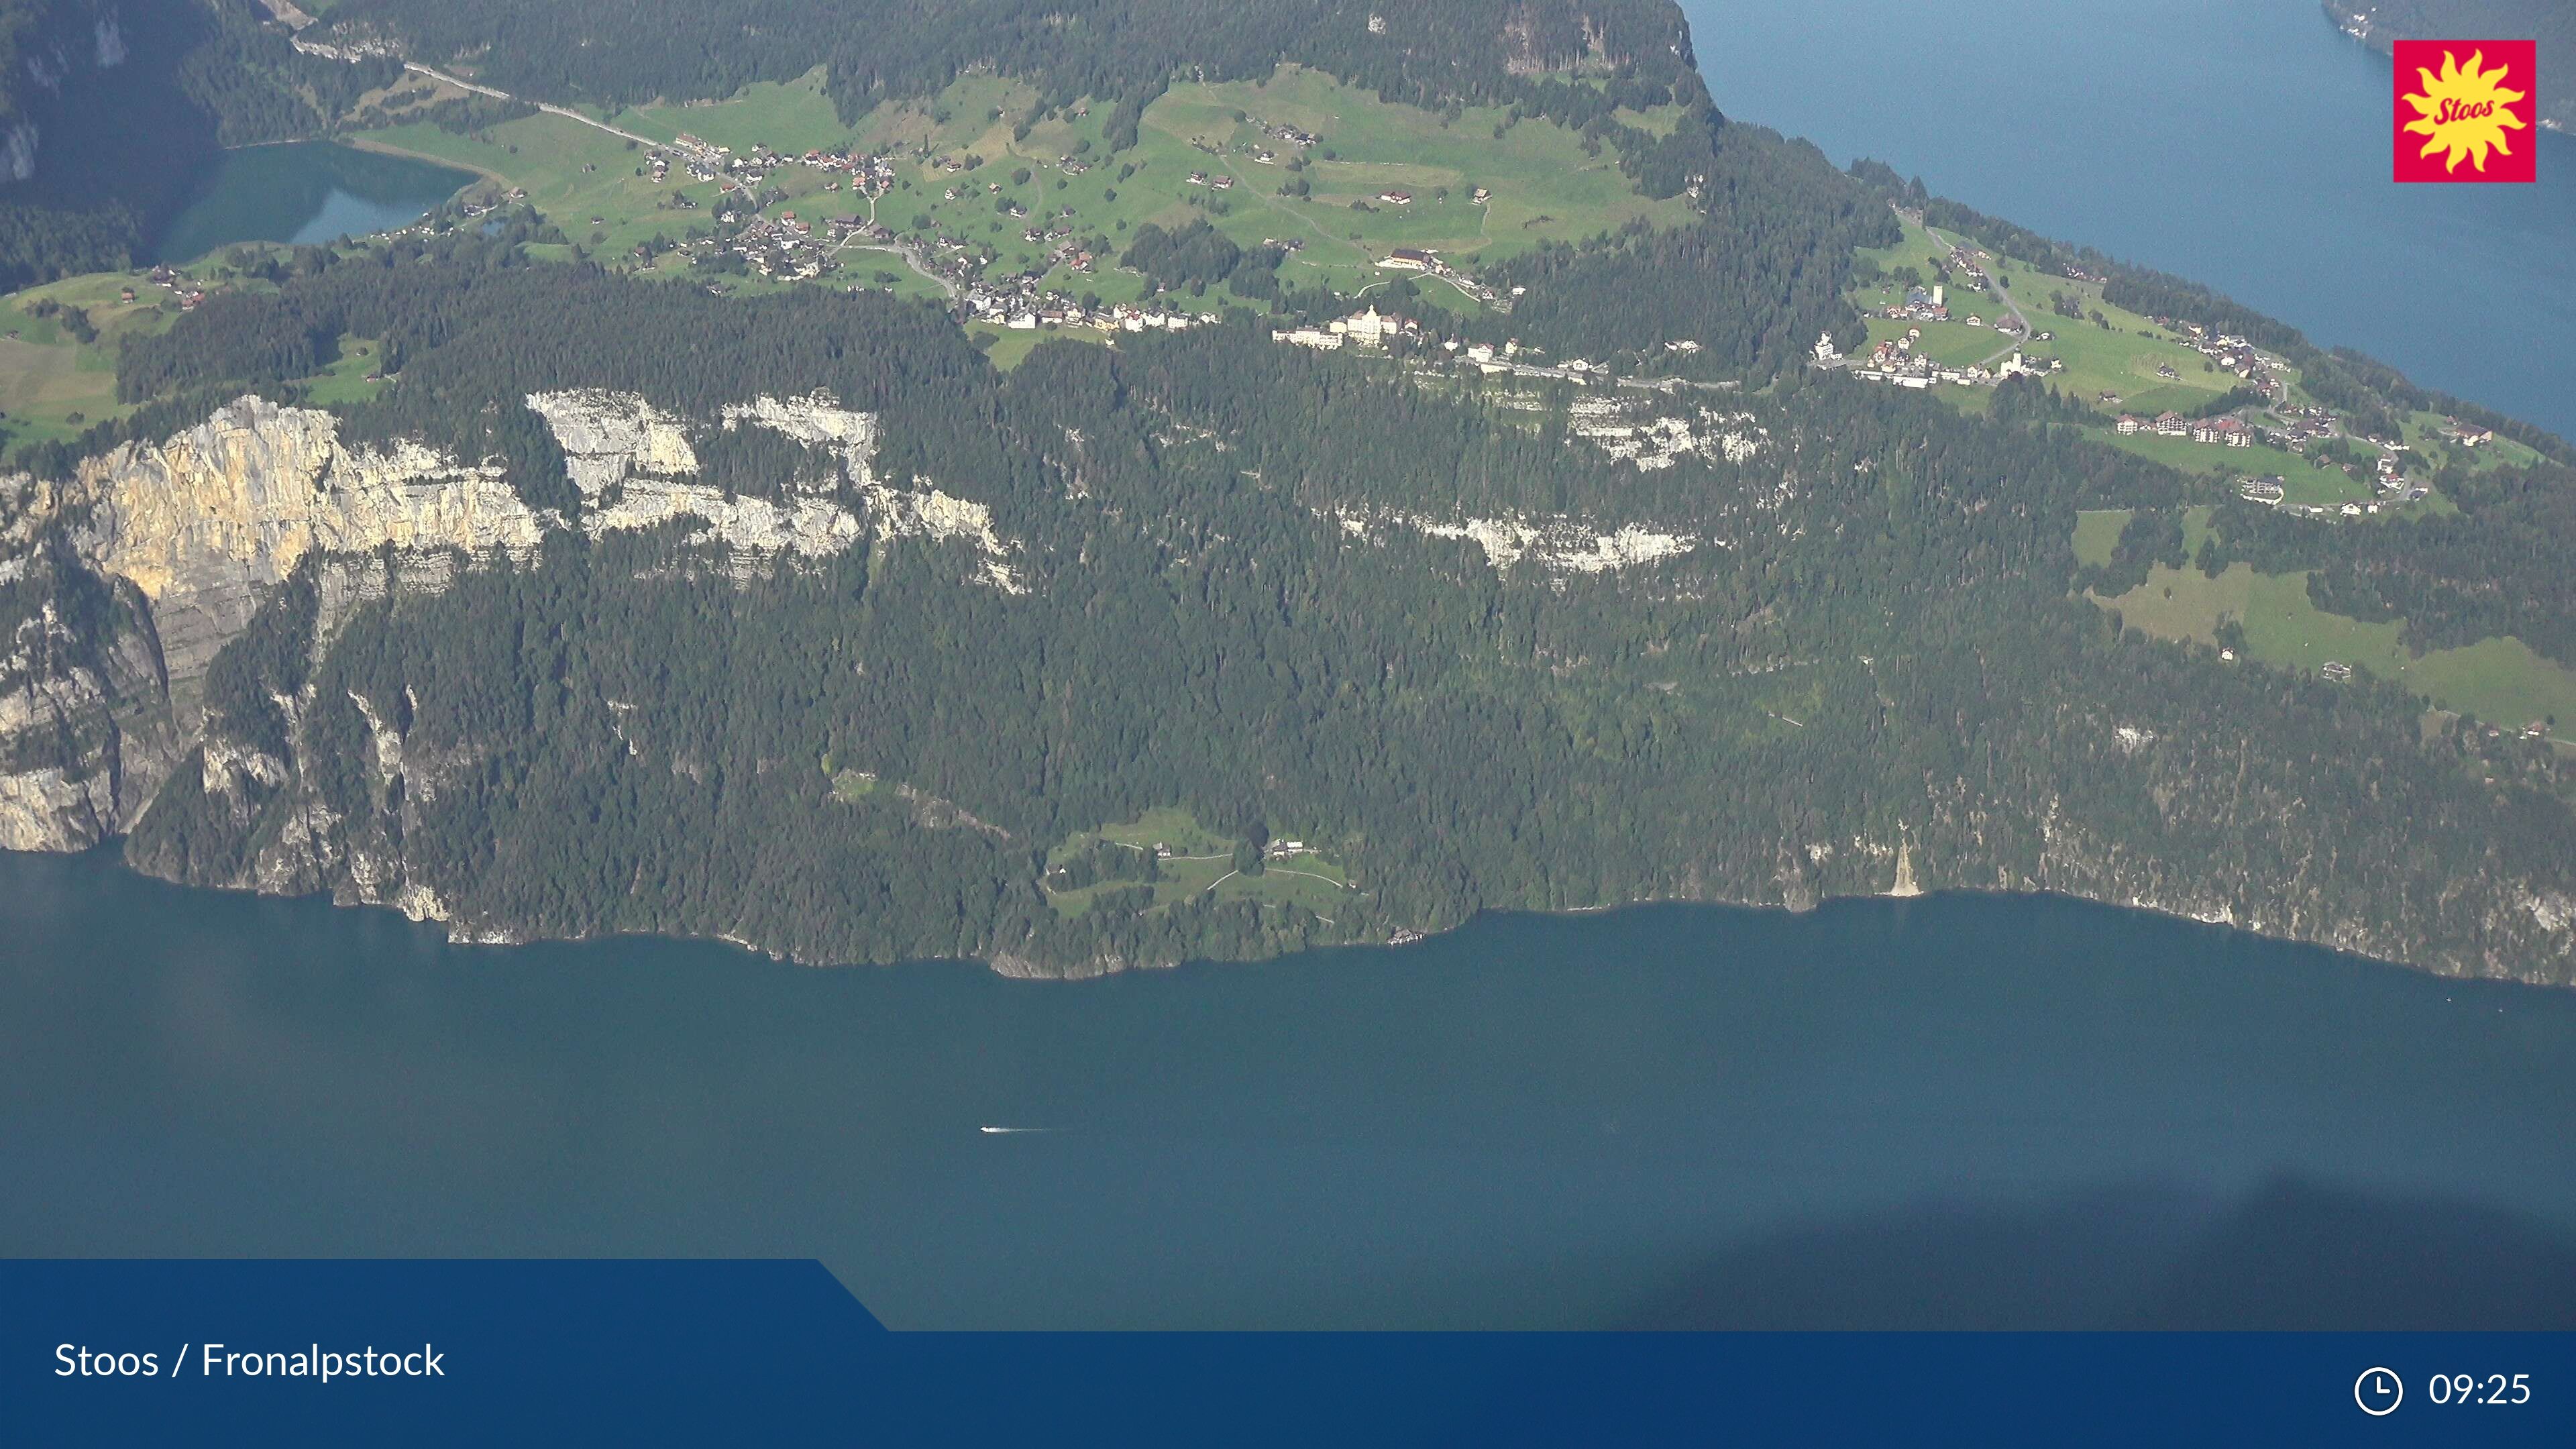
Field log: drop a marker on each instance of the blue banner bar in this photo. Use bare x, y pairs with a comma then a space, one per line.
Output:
766, 1352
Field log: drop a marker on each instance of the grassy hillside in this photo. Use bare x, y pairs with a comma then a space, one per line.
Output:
965, 157
2499, 680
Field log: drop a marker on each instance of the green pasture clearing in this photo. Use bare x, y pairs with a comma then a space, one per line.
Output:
2119, 354
2100, 360
1012, 345
1915, 250
52, 385
572, 173
790, 117
1543, 187
2423, 435
1202, 862
963, 118
2500, 679
1952, 344
2305, 481
2097, 532
345, 380
1060, 173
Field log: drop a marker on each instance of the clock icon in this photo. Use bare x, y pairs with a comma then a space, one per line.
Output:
2378, 1392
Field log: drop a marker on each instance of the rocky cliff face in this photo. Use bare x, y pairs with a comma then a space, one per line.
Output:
86, 734
119, 588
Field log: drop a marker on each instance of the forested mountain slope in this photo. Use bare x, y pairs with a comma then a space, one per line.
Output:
1120, 51
616, 605
615, 667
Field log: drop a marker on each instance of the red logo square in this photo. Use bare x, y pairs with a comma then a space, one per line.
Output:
2466, 110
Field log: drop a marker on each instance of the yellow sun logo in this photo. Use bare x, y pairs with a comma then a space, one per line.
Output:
2463, 110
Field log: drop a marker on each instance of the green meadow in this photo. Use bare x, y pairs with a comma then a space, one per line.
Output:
2499, 679
2097, 532
1202, 863
2120, 355
790, 117
345, 380
967, 156
53, 385
2303, 481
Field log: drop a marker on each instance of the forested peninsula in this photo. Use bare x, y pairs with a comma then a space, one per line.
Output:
545, 583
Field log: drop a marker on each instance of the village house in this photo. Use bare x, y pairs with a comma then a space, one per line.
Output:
1409, 259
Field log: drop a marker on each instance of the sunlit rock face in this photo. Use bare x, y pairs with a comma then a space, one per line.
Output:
188, 534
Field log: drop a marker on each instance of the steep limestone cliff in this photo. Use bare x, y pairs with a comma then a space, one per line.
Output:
86, 735
119, 587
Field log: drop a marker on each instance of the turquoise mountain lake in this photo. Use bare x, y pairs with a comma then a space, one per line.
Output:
306, 191
2241, 143
1954, 1110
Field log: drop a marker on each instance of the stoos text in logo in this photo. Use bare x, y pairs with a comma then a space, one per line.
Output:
2465, 110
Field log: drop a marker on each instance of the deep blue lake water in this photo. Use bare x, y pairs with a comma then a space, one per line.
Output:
1954, 1110
2242, 143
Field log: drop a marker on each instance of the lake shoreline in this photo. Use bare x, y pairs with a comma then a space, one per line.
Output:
2260, 168
306, 191
1013, 966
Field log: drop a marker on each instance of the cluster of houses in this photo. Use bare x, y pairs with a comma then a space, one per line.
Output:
1970, 263
706, 161
783, 247
178, 284
1922, 304
1898, 362
2230, 354
1521, 361
1373, 330
1028, 312
868, 175
1263, 155
2226, 431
